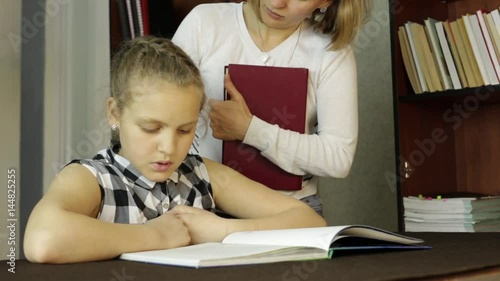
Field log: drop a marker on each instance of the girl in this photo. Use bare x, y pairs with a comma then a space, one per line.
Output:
313, 34
145, 192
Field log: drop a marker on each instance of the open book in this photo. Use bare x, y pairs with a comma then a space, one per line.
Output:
267, 246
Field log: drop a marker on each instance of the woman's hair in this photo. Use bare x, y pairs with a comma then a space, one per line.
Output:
342, 20
153, 59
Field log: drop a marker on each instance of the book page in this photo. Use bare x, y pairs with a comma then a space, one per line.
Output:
317, 237
216, 254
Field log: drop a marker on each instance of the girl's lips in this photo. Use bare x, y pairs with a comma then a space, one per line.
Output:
161, 166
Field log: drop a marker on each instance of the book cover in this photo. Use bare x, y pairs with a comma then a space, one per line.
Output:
277, 95
268, 246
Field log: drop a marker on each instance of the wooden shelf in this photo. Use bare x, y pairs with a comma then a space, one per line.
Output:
484, 95
449, 141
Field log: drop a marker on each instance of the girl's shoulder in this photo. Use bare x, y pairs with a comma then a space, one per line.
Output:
99, 164
193, 168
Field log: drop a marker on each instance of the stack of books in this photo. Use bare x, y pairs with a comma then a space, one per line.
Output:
464, 214
452, 55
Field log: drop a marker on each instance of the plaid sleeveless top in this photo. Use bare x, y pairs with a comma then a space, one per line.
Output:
128, 197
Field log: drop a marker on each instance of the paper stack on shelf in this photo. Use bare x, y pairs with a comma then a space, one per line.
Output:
465, 214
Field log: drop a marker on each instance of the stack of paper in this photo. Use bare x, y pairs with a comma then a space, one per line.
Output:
467, 214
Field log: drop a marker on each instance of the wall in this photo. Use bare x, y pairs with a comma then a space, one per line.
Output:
10, 108
365, 196
58, 80
76, 83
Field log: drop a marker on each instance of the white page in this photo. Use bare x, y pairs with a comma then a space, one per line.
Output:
193, 255
318, 237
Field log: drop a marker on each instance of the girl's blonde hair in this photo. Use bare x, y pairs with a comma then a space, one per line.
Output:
152, 58
342, 20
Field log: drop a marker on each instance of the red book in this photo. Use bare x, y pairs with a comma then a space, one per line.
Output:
277, 95
145, 16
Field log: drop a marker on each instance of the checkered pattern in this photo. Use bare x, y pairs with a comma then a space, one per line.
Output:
129, 197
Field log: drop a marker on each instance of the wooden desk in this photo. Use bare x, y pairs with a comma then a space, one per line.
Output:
455, 256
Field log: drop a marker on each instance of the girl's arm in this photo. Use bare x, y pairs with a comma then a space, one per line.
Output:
256, 206
63, 228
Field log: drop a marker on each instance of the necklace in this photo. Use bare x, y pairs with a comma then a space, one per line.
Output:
265, 56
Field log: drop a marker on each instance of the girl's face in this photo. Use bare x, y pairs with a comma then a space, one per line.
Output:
157, 127
285, 14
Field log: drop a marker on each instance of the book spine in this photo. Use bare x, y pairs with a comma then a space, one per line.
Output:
135, 17
455, 54
489, 44
447, 55
470, 53
130, 19
430, 28
407, 60
122, 11
416, 58
475, 49
495, 36
139, 17
495, 14
145, 16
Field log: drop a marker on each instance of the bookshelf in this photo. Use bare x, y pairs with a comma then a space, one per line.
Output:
448, 141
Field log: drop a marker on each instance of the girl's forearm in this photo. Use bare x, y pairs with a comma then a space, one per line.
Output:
69, 237
298, 217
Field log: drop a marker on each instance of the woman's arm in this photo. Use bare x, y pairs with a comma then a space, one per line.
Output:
256, 207
63, 228
330, 152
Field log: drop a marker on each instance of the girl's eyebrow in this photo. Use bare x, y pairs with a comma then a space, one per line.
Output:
150, 120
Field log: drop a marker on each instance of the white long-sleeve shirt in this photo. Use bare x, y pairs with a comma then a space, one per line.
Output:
215, 35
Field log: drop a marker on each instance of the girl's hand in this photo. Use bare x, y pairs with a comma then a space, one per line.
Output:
203, 226
171, 230
230, 119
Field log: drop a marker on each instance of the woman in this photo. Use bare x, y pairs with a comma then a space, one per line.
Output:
314, 34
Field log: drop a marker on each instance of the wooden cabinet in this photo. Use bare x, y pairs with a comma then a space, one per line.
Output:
446, 142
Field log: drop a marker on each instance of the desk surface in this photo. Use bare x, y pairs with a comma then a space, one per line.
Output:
453, 254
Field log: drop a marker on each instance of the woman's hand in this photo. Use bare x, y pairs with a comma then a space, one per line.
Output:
203, 226
171, 230
230, 119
